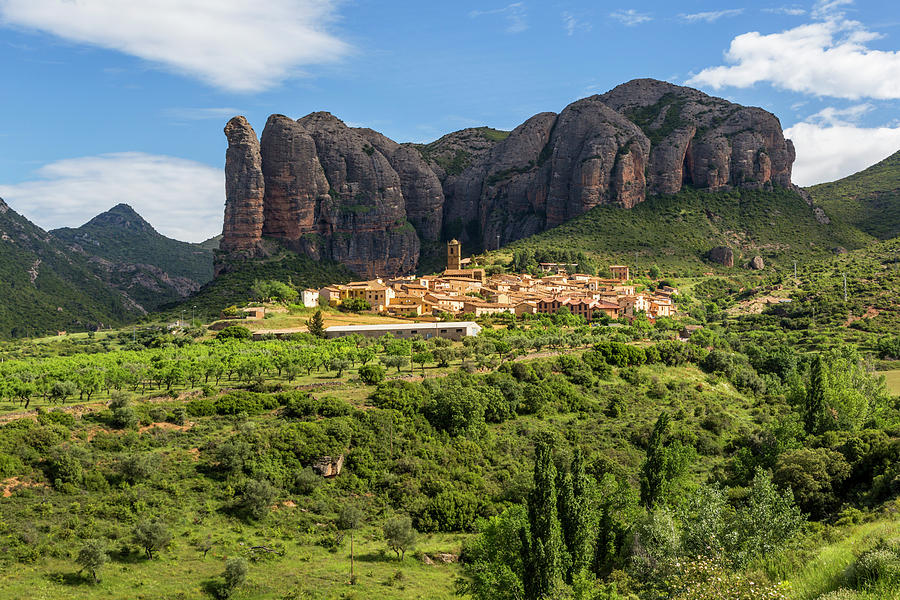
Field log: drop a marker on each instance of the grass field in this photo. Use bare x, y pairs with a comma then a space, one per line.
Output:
893, 381
828, 568
305, 572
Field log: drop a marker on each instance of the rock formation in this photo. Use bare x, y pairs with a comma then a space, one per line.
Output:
757, 263
353, 195
722, 255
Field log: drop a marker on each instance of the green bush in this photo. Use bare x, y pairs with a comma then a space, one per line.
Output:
234, 332
372, 374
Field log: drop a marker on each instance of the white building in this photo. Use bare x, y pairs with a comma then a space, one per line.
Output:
454, 330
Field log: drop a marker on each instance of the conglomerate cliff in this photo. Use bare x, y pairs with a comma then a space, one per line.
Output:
355, 196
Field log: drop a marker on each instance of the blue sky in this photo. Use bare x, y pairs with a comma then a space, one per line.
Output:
109, 101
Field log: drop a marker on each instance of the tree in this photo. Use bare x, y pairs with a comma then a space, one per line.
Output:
400, 534
61, 390
575, 516
316, 324
152, 536
340, 364
421, 358
92, 557
395, 360
354, 305
543, 561
814, 476
349, 519
766, 522
842, 394
493, 561
653, 471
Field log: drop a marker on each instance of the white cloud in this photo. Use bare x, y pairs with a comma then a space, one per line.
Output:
830, 144
237, 45
572, 24
515, 15
792, 11
829, 57
182, 199
711, 16
630, 17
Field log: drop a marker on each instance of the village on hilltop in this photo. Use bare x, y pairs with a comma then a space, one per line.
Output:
468, 291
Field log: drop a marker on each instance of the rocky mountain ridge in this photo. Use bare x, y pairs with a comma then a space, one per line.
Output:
353, 195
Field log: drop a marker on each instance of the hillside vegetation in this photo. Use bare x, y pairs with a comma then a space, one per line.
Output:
741, 464
122, 235
678, 230
45, 288
234, 286
868, 200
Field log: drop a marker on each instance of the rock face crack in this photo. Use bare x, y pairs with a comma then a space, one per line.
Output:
353, 195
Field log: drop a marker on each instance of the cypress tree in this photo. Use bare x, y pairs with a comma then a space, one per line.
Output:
655, 468
543, 572
575, 517
316, 324
814, 408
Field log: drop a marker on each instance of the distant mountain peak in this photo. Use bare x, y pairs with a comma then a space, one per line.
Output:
121, 215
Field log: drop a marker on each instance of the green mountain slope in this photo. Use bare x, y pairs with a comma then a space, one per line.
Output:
679, 230
45, 288
869, 200
234, 284
122, 235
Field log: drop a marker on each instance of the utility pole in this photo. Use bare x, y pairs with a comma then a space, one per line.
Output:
795, 269
845, 286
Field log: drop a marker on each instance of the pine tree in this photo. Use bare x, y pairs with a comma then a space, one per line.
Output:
316, 324
655, 467
543, 553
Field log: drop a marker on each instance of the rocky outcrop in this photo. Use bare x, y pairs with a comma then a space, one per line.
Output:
244, 188
356, 196
722, 255
757, 263
703, 141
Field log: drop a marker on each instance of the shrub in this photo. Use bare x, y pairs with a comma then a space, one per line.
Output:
234, 332
372, 374
449, 511
201, 407
256, 498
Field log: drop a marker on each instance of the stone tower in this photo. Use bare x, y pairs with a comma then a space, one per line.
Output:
454, 256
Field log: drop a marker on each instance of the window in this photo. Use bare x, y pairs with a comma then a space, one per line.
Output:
414, 331
459, 331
